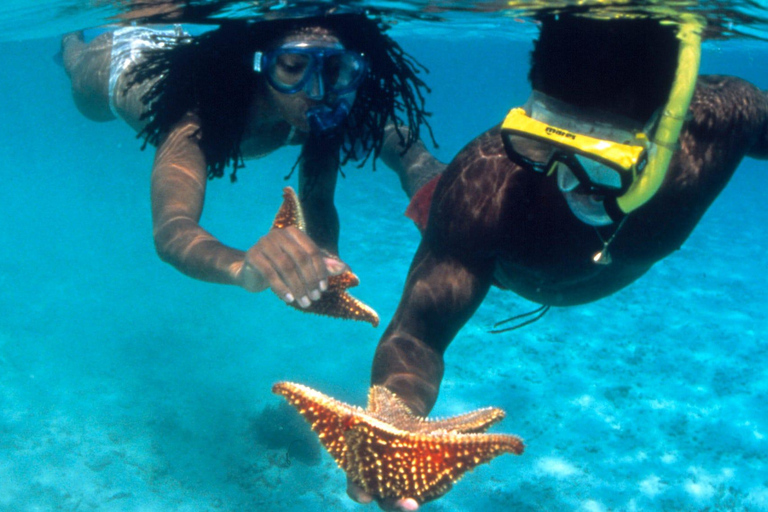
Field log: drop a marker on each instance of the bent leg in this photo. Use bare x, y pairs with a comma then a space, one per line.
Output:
88, 67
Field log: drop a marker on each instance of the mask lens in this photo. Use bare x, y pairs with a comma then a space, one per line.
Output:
343, 71
288, 70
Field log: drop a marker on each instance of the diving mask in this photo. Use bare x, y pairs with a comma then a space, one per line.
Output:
601, 166
318, 70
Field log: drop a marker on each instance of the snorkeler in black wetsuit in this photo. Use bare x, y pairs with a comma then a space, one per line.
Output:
577, 194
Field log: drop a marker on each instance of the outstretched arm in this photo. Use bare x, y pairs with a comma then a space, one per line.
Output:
178, 184
441, 294
284, 260
449, 278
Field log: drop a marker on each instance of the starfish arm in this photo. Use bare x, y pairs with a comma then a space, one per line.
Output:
384, 402
406, 457
476, 421
329, 418
290, 213
335, 301
387, 407
389, 464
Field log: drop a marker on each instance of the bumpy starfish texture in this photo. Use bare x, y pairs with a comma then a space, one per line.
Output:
335, 301
390, 452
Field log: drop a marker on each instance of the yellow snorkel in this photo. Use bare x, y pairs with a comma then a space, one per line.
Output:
671, 122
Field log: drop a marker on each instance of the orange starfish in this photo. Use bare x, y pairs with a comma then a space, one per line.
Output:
335, 301
390, 452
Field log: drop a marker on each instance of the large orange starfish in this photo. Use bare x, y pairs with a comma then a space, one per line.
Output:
335, 301
390, 452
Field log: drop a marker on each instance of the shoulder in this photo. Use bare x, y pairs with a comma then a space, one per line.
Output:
724, 103
483, 164
483, 158
473, 198
725, 85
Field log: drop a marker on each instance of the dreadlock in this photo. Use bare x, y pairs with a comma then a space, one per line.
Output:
212, 75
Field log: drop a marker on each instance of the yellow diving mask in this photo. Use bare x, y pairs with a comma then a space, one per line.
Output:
621, 170
605, 167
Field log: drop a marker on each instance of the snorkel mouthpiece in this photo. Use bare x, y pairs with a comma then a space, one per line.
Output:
325, 118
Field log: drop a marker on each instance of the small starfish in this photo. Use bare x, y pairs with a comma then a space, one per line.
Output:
335, 301
390, 452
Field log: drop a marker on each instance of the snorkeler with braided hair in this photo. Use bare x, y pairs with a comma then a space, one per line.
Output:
604, 171
335, 84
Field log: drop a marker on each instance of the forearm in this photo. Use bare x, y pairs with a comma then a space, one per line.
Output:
196, 253
410, 368
440, 296
178, 187
317, 188
323, 224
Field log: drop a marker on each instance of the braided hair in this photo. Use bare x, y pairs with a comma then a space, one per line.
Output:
212, 75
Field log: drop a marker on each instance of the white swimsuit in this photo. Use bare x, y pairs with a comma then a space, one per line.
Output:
128, 44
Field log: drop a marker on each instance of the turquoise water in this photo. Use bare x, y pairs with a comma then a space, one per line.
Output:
125, 386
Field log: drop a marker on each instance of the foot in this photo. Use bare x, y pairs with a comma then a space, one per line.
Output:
72, 45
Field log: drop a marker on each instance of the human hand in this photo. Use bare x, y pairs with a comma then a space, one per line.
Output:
357, 494
288, 262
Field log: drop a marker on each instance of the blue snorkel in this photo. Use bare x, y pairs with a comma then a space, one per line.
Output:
323, 119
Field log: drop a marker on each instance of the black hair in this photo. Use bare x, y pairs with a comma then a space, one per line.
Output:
212, 75
625, 66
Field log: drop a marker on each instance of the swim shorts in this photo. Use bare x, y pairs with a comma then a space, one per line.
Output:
418, 209
128, 44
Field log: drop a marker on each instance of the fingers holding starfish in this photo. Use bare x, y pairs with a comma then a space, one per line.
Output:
287, 261
399, 505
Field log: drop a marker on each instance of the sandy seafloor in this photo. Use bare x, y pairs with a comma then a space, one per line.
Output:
126, 386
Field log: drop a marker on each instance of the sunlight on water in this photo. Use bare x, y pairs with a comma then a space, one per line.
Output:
27, 19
